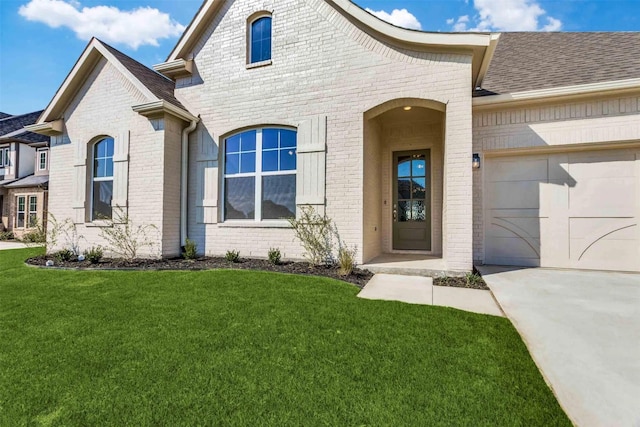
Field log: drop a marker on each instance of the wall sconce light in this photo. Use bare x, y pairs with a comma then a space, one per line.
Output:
475, 162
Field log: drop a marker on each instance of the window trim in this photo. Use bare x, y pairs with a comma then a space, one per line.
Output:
24, 206
40, 152
98, 179
250, 21
30, 212
4, 157
257, 175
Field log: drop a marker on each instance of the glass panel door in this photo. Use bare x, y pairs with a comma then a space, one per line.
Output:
412, 201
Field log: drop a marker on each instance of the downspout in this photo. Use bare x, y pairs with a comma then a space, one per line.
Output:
184, 179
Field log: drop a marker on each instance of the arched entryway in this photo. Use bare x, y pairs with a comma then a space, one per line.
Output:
403, 178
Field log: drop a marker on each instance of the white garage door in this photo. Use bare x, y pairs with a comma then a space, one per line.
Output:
571, 210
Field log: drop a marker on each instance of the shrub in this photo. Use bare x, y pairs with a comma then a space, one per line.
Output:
63, 255
36, 236
232, 256
346, 259
6, 235
190, 249
275, 257
316, 233
124, 238
66, 230
94, 254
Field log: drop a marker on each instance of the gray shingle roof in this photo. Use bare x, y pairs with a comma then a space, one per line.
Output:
4, 115
527, 61
14, 123
158, 84
30, 181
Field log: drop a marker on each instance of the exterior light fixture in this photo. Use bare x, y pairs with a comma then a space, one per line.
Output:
475, 162
407, 108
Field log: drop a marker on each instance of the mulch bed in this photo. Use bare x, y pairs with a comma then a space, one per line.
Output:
470, 282
358, 277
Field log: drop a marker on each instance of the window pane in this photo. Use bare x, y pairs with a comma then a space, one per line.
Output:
278, 196
100, 168
248, 141
270, 161
417, 211
33, 204
239, 198
418, 188
418, 167
20, 220
404, 211
248, 162
288, 159
287, 138
270, 138
109, 147
404, 189
232, 163
233, 144
102, 194
109, 163
100, 149
404, 166
43, 160
261, 40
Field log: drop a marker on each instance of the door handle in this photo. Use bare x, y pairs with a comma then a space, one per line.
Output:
395, 213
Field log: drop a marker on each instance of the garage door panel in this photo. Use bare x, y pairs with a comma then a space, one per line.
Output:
515, 195
532, 169
581, 213
604, 197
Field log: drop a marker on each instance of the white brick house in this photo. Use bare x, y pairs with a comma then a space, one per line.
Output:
266, 107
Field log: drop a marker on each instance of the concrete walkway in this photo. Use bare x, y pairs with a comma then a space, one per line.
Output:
420, 290
582, 329
12, 245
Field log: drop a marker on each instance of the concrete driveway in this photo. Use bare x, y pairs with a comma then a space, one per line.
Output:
582, 329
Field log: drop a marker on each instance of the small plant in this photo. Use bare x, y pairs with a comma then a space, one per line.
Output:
67, 230
232, 256
346, 259
275, 257
472, 279
94, 254
124, 238
6, 235
63, 255
190, 249
316, 234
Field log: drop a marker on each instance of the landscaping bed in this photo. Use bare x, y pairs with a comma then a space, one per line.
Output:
358, 277
470, 281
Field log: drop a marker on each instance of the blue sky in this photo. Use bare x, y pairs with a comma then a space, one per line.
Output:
40, 40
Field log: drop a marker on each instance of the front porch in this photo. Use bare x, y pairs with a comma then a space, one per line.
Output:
410, 265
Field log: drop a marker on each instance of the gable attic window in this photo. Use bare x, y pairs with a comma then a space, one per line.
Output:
4, 157
259, 34
42, 159
260, 175
102, 179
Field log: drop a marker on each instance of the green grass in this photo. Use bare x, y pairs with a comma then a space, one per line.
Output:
249, 348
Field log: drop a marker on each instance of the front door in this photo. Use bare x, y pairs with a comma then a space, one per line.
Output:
412, 200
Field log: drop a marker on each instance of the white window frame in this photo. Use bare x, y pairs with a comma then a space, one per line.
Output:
4, 157
30, 212
41, 152
98, 179
257, 175
18, 211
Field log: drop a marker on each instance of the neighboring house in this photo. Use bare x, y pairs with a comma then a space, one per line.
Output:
24, 174
513, 148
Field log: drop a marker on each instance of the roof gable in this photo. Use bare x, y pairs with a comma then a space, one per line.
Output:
150, 84
481, 44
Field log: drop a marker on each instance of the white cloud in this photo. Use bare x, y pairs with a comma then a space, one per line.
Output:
399, 17
133, 28
507, 15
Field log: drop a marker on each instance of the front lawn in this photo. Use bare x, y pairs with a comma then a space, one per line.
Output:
249, 348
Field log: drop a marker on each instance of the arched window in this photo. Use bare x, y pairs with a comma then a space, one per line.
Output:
260, 174
260, 39
102, 179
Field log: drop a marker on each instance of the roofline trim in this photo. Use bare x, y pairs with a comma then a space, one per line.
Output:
557, 92
486, 60
51, 128
161, 107
93, 46
453, 40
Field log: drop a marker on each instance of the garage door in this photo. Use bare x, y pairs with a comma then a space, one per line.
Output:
569, 210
